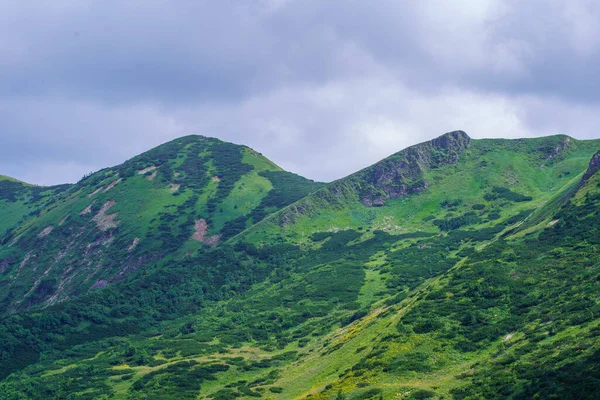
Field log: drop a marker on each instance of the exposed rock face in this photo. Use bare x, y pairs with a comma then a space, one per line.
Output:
45, 232
455, 142
401, 174
88, 209
559, 149
131, 266
134, 244
112, 185
397, 176
100, 284
593, 168
106, 221
148, 169
95, 191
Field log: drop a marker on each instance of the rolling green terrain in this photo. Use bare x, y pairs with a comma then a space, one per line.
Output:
194, 192
456, 268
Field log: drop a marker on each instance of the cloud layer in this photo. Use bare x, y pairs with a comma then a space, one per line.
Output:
323, 88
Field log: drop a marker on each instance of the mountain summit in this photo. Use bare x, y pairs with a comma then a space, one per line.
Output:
192, 192
402, 174
403, 191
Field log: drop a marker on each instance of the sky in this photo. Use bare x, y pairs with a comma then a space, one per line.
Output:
322, 88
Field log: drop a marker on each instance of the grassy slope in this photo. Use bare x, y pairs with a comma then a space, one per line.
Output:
53, 247
20, 202
377, 311
521, 166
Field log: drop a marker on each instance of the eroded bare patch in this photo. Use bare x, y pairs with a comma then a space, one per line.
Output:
131, 266
112, 185
216, 179
88, 209
200, 230
173, 187
62, 221
106, 221
24, 261
148, 169
134, 244
95, 191
212, 241
15, 240
47, 230
151, 176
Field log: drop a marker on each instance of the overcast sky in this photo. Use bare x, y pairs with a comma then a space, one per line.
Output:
321, 87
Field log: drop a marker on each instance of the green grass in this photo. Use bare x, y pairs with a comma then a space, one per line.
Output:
484, 165
156, 211
462, 290
246, 195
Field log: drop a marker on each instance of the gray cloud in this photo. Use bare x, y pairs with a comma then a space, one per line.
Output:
321, 87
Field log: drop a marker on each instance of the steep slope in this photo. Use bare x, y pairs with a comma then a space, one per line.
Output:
20, 202
182, 196
518, 319
449, 182
485, 286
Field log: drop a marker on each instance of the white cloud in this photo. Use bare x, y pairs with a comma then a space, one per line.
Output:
583, 24
322, 88
329, 131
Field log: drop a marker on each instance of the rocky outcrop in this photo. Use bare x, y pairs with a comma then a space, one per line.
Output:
593, 167
402, 174
106, 221
397, 176
132, 265
454, 142
100, 284
47, 230
559, 149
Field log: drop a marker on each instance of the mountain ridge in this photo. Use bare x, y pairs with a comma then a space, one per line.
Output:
412, 179
175, 198
481, 285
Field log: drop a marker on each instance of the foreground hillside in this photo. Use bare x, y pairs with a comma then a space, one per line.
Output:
457, 268
191, 193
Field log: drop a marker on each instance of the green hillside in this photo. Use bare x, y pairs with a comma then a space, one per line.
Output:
456, 268
178, 198
448, 183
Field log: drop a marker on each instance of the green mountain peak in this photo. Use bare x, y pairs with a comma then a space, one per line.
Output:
418, 182
170, 201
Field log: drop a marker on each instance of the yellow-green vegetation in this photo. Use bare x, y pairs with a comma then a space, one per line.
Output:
492, 179
457, 268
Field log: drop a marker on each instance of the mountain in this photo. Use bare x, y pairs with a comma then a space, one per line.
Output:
447, 183
456, 268
190, 193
